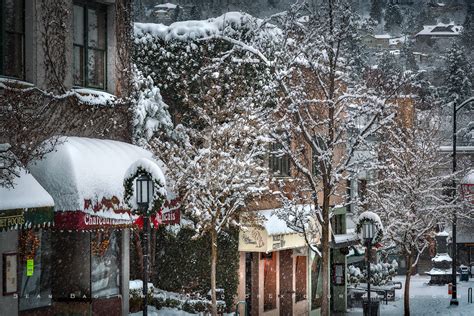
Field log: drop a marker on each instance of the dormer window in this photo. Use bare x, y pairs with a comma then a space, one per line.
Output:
90, 35
12, 38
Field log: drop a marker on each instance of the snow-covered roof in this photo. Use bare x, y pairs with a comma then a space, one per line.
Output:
86, 169
274, 225
194, 29
440, 29
468, 178
167, 5
382, 36
443, 234
459, 149
27, 193
397, 40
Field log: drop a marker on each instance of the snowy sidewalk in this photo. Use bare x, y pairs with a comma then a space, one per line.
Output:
426, 300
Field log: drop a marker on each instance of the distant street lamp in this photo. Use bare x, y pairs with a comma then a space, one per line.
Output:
368, 236
144, 190
454, 299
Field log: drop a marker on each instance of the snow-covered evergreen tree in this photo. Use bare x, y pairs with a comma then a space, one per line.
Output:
458, 75
467, 35
407, 57
393, 18
376, 10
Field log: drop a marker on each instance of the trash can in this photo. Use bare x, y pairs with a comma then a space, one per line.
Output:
374, 306
464, 274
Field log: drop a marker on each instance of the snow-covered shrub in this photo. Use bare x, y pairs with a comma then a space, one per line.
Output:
380, 273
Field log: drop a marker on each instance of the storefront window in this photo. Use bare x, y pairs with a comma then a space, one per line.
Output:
105, 278
12, 33
316, 288
269, 281
300, 278
89, 45
35, 265
71, 265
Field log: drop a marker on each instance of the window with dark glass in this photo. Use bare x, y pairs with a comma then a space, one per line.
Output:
12, 38
35, 288
105, 273
90, 25
279, 161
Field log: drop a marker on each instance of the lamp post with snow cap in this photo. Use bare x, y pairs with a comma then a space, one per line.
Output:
454, 298
368, 235
144, 190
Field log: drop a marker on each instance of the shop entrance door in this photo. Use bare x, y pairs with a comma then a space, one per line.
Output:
286, 283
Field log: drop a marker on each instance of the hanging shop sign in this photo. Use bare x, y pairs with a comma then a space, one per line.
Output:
170, 217
254, 239
26, 218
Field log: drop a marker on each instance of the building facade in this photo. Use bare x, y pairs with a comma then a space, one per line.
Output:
61, 60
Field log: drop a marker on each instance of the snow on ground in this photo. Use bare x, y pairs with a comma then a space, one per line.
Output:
426, 300
152, 311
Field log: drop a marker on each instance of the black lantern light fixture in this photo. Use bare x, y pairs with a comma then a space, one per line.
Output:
368, 236
144, 194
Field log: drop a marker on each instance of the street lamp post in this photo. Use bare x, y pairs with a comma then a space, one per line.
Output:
144, 190
454, 298
368, 235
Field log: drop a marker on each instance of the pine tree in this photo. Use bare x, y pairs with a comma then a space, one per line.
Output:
467, 35
393, 18
376, 10
458, 75
406, 54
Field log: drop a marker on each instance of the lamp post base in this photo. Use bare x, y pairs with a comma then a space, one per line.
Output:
454, 301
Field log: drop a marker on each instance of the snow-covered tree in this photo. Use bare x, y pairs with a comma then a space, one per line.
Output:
407, 57
393, 18
150, 112
376, 10
322, 115
407, 193
458, 75
218, 169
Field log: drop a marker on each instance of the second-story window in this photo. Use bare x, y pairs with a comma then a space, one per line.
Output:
12, 34
90, 25
279, 161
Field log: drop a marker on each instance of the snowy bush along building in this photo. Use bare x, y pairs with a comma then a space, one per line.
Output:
65, 72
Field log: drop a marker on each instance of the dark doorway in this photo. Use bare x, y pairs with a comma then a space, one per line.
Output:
286, 282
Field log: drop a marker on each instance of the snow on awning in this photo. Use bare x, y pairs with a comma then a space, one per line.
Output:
85, 176
25, 205
273, 235
344, 240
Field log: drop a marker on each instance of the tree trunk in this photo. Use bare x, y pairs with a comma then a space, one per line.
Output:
213, 271
325, 303
406, 298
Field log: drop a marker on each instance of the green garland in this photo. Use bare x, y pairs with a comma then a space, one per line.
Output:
378, 230
158, 198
